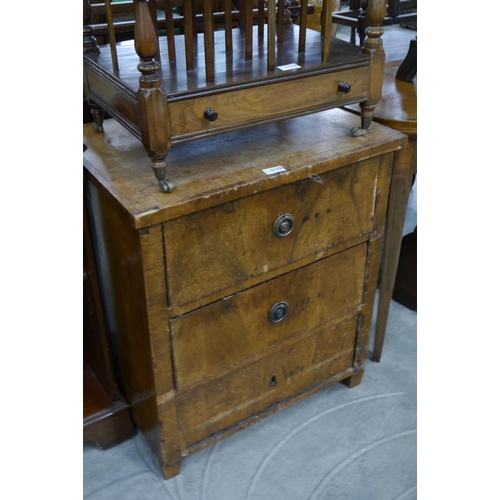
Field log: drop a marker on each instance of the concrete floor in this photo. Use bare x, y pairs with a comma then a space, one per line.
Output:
340, 443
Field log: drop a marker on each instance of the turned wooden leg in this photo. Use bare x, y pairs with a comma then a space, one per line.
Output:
151, 100
159, 166
354, 380
97, 115
373, 46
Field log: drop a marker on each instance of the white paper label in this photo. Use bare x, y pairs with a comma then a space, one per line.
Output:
273, 170
288, 67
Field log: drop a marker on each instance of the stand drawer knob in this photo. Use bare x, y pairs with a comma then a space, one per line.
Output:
210, 114
278, 312
283, 225
344, 87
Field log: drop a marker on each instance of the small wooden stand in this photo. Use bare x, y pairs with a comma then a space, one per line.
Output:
173, 89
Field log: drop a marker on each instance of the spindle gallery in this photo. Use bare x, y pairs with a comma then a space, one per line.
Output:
226, 69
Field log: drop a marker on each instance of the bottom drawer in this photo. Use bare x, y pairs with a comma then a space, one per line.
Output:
222, 403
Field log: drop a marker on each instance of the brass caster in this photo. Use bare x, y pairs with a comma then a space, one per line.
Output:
166, 186
358, 131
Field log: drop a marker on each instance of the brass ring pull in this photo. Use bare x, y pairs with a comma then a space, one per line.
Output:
278, 312
283, 225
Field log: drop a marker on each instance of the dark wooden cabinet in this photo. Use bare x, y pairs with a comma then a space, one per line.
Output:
106, 415
252, 284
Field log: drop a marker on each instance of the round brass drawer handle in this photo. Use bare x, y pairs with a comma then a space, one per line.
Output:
210, 114
283, 225
278, 312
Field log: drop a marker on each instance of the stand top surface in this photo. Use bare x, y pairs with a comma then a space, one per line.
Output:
215, 170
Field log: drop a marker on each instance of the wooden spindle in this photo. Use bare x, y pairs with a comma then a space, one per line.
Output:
195, 22
362, 22
154, 15
90, 46
326, 29
111, 34
228, 24
208, 38
242, 13
169, 27
145, 40
151, 100
89, 41
374, 46
271, 35
188, 33
260, 19
248, 6
281, 21
302, 25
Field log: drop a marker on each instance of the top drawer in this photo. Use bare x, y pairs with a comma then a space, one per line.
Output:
281, 99
216, 248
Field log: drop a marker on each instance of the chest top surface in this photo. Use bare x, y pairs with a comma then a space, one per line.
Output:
224, 168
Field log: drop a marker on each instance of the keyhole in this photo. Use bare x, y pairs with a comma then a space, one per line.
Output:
273, 381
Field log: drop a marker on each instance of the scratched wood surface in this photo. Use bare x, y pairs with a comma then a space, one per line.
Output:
227, 167
237, 329
189, 375
228, 244
217, 405
132, 270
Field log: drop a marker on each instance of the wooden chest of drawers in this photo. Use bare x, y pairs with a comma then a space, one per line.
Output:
246, 289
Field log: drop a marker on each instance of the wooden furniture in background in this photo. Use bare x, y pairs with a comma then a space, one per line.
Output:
106, 415
249, 287
173, 89
398, 12
397, 109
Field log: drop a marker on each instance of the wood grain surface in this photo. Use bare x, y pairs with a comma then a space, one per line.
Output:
228, 167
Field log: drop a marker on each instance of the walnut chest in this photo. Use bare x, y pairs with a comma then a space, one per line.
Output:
251, 285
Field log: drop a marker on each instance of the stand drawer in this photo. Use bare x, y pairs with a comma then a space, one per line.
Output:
239, 328
216, 248
267, 102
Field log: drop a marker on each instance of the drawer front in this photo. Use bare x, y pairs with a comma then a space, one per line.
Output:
218, 405
240, 107
240, 328
216, 248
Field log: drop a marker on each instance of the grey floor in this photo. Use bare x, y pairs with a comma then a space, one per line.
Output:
338, 444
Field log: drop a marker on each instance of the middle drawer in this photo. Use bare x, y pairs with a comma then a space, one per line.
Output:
217, 248
239, 328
